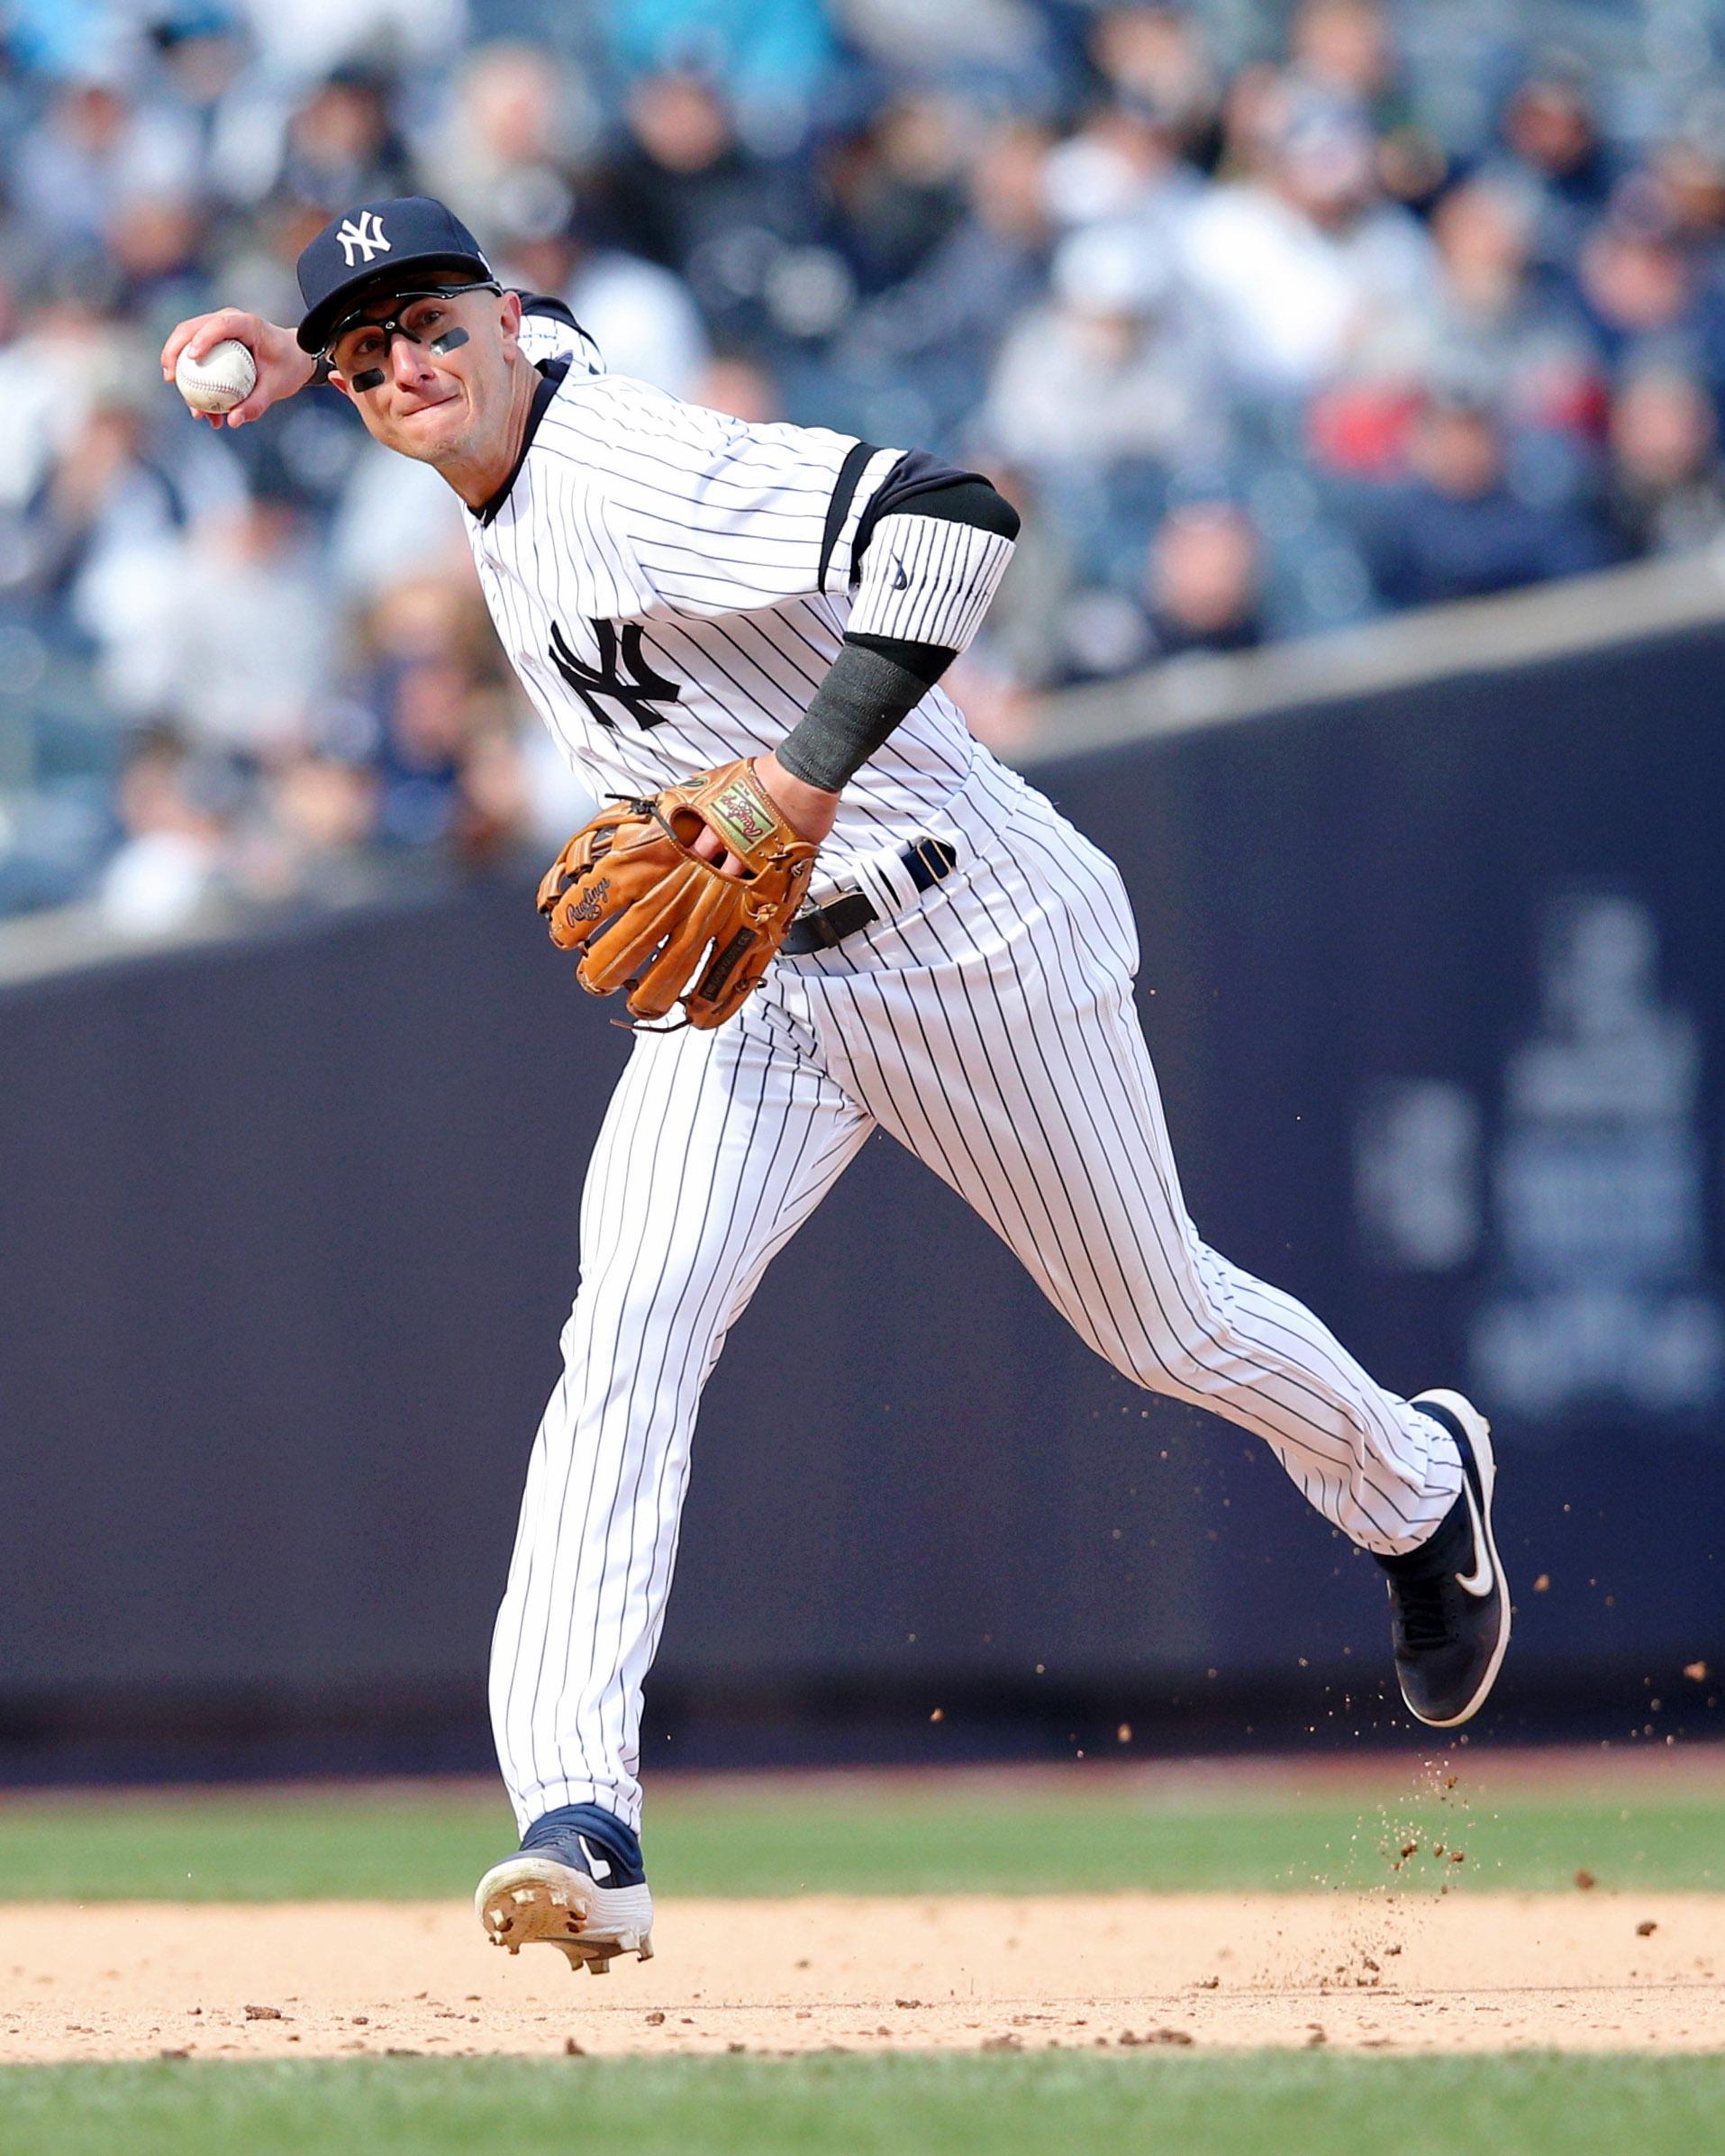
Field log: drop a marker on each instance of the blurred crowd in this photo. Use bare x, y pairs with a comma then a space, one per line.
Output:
1270, 318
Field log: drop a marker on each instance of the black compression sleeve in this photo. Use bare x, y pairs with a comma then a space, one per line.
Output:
873, 682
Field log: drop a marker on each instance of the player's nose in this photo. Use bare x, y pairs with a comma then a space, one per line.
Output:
410, 363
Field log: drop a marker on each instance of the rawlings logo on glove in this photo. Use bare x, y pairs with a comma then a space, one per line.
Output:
645, 911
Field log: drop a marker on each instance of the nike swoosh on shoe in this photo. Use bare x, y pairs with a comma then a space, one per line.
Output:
1481, 1580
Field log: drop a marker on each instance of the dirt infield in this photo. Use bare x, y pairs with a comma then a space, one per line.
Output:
1405, 1973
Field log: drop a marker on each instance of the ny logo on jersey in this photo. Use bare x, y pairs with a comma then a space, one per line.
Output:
364, 239
637, 688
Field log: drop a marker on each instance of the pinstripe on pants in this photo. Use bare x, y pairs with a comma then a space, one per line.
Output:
991, 1030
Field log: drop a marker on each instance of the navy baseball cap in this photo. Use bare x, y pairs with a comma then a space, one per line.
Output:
379, 247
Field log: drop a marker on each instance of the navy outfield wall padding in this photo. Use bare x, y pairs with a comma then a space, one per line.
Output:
1436, 987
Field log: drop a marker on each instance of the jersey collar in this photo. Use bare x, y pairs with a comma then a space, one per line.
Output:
552, 373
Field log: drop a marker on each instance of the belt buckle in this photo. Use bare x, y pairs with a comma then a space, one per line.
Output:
937, 859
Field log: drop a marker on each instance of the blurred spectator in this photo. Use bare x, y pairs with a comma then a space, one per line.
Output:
1341, 47
1456, 530
1204, 581
744, 231
1644, 294
312, 814
641, 316
156, 246
771, 59
431, 680
1199, 587
1493, 320
898, 186
102, 538
1154, 60
177, 813
1113, 371
684, 178
1666, 492
237, 651
342, 145
103, 498
392, 512
1308, 269
506, 141
63, 354
1687, 176
1344, 50
1553, 137
938, 332
201, 55
324, 803
1122, 163
1496, 331
95, 150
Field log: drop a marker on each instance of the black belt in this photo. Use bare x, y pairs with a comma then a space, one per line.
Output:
928, 861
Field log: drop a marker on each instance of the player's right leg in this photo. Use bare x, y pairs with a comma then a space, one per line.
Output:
716, 1147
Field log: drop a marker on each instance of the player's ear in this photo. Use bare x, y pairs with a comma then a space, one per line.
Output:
335, 382
509, 317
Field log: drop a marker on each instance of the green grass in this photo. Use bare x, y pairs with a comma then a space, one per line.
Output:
1251, 2103
906, 1837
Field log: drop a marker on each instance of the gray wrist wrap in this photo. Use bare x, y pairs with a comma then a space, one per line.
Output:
864, 696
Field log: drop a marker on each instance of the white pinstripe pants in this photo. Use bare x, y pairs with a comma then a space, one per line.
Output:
991, 1030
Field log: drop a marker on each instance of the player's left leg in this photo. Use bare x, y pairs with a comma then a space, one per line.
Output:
1005, 1049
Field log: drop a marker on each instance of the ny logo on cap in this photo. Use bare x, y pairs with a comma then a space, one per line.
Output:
364, 239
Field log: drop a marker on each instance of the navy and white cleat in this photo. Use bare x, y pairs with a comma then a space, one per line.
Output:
1450, 1606
576, 1883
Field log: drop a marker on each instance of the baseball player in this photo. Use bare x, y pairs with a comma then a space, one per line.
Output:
833, 911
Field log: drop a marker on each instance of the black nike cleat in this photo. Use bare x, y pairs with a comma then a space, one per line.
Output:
1449, 1607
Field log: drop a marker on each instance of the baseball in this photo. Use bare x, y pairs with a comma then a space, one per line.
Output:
223, 378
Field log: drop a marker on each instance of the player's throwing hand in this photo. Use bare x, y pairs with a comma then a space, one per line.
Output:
283, 368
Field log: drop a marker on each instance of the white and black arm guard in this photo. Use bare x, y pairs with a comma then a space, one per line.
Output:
932, 558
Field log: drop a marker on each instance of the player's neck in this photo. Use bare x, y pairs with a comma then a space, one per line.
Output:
476, 474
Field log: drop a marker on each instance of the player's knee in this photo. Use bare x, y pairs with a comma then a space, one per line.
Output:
669, 1310
1182, 1364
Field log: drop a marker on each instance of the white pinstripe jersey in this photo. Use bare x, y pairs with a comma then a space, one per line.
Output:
671, 585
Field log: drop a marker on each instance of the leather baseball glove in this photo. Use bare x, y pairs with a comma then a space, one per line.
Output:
646, 913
